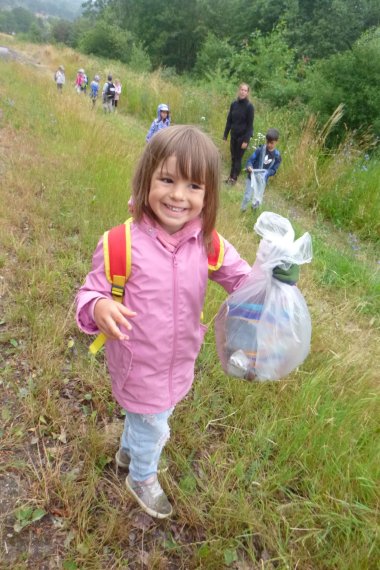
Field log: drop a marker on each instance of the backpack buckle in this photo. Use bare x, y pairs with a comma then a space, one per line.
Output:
117, 290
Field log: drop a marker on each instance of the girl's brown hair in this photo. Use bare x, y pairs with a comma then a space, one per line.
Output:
198, 160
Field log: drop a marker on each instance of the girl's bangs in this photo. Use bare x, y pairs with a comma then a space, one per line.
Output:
192, 157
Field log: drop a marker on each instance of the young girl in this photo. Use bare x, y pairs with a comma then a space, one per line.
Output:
154, 336
117, 93
59, 78
81, 81
162, 121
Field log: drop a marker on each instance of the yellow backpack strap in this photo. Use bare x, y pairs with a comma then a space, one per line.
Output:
216, 256
117, 250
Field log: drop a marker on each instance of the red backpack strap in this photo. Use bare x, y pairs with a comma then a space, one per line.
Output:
118, 258
216, 257
117, 252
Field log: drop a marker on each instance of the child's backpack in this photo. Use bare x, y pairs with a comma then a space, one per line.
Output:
94, 89
110, 90
117, 250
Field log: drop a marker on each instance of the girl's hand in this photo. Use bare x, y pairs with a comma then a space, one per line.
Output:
289, 276
244, 145
110, 316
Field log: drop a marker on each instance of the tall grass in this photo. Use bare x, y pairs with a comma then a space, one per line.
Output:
338, 183
341, 183
276, 475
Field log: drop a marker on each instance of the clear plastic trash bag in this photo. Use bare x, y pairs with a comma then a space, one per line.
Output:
263, 329
258, 184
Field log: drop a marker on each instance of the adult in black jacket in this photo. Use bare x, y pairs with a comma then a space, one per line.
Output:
240, 124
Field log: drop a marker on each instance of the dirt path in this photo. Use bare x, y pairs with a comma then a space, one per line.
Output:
8, 53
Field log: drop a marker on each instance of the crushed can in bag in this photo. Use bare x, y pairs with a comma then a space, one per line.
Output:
263, 330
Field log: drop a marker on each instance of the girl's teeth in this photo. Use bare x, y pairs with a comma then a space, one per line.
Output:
175, 209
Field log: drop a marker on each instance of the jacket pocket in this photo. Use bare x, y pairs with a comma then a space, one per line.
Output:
119, 359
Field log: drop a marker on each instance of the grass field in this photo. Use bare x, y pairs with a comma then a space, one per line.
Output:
261, 476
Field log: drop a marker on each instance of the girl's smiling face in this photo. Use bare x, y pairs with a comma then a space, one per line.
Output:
174, 200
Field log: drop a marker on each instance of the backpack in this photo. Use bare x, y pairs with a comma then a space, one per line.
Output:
94, 89
110, 91
117, 251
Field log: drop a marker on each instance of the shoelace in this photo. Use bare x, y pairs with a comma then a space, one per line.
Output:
154, 488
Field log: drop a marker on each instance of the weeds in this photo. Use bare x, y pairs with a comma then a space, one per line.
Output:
282, 475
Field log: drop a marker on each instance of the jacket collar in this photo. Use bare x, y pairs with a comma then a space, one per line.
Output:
171, 241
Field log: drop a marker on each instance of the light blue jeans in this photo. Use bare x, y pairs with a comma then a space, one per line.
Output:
248, 195
143, 439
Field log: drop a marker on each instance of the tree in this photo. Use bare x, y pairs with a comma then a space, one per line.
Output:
268, 64
61, 31
215, 54
320, 28
16, 20
107, 40
350, 78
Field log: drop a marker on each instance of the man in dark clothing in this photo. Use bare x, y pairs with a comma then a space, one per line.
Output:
240, 124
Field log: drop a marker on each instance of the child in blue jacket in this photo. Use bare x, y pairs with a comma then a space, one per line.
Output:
162, 121
265, 157
94, 89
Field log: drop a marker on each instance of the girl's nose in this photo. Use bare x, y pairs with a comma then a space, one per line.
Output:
178, 191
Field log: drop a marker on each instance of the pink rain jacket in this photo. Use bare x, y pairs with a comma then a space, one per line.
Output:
154, 369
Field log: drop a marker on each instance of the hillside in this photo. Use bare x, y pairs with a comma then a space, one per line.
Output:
262, 476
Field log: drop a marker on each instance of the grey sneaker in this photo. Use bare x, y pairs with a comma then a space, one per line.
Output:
150, 497
123, 460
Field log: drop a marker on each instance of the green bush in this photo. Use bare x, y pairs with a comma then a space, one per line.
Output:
61, 31
107, 40
215, 54
268, 64
350, 78
139, 58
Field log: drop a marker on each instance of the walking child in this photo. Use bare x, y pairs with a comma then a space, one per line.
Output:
118, 88
108, 95
59, 78
267, 158
154, 335
162, 121
94, 89
81, 81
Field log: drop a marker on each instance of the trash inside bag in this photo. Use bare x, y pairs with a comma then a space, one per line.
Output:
263, 330
258, 184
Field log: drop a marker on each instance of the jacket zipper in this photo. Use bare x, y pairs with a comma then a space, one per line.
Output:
175, 302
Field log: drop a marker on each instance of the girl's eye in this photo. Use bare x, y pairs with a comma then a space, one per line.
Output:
166, 180
195, 186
